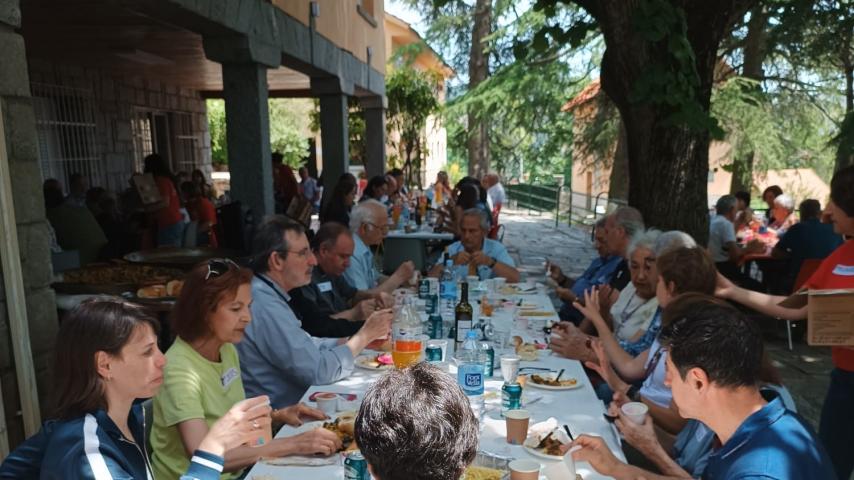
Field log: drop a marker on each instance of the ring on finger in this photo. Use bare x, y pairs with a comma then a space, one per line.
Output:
255, 425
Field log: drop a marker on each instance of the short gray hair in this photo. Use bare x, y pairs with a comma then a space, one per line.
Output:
725, 204
629, 219
671, 240
786, 201
362, 213
644, 239
481, 217
269, 238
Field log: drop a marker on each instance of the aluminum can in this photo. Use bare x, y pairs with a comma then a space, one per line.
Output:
489, 364
424, 289
355, 466
436, 330
511, 397
433, 354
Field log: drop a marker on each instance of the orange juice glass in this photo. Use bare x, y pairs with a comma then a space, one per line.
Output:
406, 352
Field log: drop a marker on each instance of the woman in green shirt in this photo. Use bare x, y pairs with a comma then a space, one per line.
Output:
202, 376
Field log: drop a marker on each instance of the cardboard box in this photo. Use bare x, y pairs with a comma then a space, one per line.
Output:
830, 315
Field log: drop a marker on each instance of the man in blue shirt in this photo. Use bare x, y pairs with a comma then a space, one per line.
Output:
476, 253
369, 225
808, 239
713, 369
277, 357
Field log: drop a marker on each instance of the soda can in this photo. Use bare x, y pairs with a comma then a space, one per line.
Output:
431, 304
355, 466
433, 353
489, 365
424, 288
436, 326
511, 397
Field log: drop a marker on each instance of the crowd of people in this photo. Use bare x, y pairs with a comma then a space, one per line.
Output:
655, 319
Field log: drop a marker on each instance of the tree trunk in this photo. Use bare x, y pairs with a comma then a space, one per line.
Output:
478, 130
755, 49
619, 180
668, 162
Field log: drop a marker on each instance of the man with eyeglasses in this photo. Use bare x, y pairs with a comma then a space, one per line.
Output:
330, 307
369, 225
277, 357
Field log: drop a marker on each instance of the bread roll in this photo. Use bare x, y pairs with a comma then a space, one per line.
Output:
527, 352
151, 291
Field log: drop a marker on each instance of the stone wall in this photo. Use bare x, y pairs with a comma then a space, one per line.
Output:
117, 100
31, 225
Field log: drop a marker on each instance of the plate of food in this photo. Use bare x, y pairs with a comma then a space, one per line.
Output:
380, 361
549, 381
547, 447
343, 426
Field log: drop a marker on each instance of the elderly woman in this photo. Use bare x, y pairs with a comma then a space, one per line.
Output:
782, 214
632, 313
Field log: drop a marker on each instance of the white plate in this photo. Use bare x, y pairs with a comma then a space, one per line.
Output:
531, 383
530, 446
364, 361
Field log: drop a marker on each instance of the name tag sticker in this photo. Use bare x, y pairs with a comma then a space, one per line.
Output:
844, 270
229, 376
324, 287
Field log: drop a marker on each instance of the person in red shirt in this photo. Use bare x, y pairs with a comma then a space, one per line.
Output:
170, 225
202, 212
836, 429
284, 182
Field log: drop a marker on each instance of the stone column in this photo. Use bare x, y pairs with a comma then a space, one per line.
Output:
244, 81
247, 120
334, 129
32, 229
375, 135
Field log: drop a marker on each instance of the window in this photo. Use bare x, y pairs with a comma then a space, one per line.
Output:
366, 10
66, 128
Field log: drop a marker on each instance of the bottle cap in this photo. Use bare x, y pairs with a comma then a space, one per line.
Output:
471, 334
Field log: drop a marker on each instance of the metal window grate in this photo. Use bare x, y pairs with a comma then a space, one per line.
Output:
66, 128
186, 143
143, 143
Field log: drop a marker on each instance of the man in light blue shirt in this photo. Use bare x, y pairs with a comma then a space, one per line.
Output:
369, 225
277, 357
475, 252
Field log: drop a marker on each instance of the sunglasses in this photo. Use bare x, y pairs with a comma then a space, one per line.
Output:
219, 266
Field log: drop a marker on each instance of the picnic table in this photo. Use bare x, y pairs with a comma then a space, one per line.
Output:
578, 408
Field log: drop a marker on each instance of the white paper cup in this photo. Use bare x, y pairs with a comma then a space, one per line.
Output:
524, 470
635, 411
564, 470
498, 282
327, 402
509, 367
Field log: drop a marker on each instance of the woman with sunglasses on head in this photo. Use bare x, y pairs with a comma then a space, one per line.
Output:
202, 378
106, 359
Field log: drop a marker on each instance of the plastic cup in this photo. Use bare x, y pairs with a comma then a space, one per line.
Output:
517, 426
635, 411
327, 402
524, 470
509, 367
564, 470
441, 343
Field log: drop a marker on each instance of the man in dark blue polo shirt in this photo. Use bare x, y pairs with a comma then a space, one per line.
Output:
713, 364
808, 239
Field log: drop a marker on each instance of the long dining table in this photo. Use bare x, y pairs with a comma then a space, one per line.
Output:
577, 408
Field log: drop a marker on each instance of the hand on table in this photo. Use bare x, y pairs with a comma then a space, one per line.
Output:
594, 451
239, 426
318, 441
294, 414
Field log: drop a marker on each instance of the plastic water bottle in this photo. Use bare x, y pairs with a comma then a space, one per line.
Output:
470, 376
448, 292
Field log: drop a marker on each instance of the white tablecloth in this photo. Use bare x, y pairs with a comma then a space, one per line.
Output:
578, 408
424, 234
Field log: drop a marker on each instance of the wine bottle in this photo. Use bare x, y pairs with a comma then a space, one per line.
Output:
463, 314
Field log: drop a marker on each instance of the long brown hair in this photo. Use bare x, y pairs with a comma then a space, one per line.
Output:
96, 325
204, 287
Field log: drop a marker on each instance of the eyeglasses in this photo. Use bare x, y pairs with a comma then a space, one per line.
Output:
304, 253
384, 228
219, 266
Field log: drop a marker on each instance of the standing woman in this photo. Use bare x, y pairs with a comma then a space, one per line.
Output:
337, 208
836, 428
107, 357
202, 379
170, 225
201, 181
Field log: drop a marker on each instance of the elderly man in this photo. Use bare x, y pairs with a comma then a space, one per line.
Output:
277, 357
495, 195
422, 415
369, 225
329, 306
722, 243
476, 253
620, 227
713, 369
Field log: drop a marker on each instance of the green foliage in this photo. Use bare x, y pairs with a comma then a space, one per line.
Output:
355, 128
288, 130
411, 99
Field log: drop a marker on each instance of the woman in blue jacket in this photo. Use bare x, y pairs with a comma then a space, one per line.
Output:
106, 359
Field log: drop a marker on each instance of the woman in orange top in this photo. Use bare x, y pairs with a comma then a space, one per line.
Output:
836, 271
170, 226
